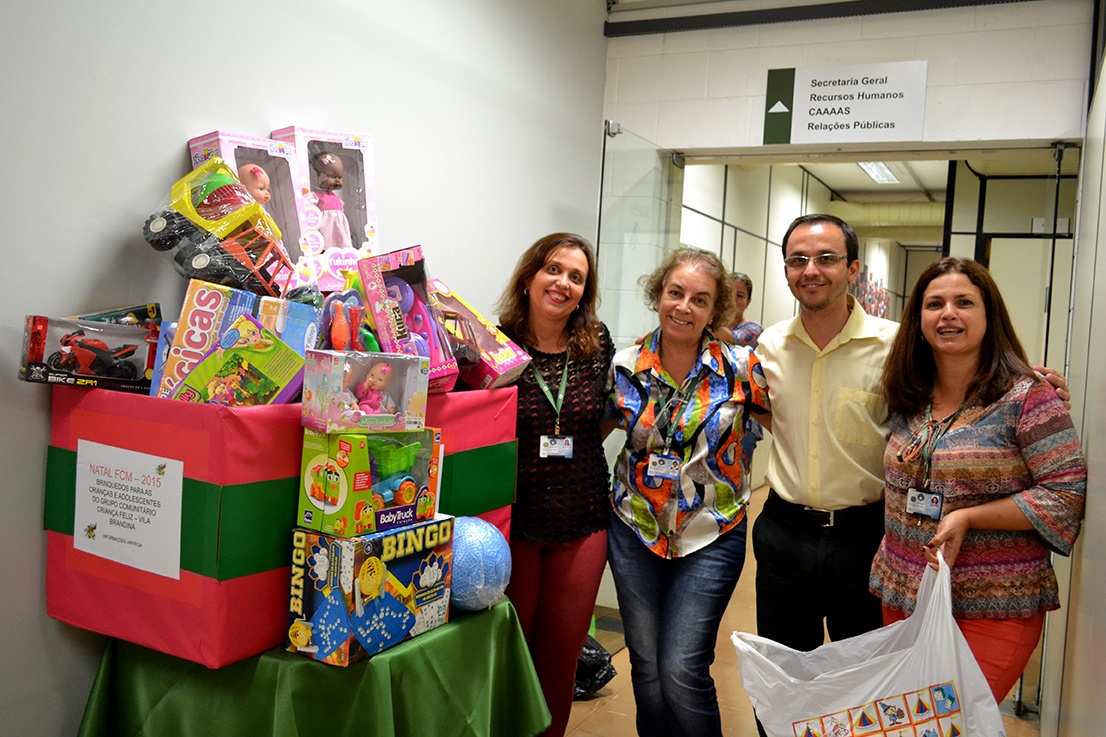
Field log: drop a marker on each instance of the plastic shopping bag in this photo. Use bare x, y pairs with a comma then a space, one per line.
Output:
593, 669
916, 677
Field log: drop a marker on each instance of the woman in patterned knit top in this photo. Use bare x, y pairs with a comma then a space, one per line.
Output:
559, 519
983, 464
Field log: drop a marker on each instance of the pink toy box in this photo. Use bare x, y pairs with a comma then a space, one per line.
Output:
352, 598
249, 365
278, 162
405, 317
353, 483
492, 359
338, 184
364, 392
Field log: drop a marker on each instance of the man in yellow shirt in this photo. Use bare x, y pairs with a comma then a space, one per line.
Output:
823, 520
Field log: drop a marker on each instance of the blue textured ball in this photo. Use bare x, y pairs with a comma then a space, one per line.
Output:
481, 564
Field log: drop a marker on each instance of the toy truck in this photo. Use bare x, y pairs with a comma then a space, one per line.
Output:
216, 232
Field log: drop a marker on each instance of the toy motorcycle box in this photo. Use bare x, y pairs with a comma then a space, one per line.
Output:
105, 355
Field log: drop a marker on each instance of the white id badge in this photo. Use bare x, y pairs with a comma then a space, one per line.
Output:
925, 503
555, 446
664, 465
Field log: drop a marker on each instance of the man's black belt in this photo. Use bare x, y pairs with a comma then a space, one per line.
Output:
779, 508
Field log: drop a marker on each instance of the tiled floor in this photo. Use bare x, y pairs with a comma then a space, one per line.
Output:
610, 713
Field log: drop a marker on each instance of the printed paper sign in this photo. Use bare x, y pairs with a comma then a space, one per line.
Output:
128, 507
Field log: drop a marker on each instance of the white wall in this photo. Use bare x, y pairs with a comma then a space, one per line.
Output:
1077, 705
487, 120
1009, 71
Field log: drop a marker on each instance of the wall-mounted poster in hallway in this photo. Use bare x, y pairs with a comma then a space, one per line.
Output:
846, 104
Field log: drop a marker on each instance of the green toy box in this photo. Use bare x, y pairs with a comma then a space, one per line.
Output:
351, 483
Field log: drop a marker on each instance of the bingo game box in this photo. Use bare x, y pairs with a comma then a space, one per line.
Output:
353, 597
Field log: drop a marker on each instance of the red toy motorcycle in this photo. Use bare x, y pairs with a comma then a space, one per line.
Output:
92, 357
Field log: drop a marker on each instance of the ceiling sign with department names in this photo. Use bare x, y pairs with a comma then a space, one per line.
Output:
846, 104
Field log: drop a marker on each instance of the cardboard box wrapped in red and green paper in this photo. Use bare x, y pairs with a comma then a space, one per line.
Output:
479, 474
167, 522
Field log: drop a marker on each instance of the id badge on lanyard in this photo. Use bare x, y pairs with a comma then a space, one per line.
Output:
924, 502
555, 445
665, 466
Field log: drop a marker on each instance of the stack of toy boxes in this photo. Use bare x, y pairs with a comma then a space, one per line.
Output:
371, 556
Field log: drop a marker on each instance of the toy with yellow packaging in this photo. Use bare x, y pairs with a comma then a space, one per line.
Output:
353, 597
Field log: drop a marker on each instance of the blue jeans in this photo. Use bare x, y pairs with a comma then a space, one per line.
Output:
671, 611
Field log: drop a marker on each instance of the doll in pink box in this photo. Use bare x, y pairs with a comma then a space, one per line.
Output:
333, 225
367, 397
370, 392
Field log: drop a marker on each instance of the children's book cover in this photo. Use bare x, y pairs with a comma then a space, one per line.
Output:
249, 365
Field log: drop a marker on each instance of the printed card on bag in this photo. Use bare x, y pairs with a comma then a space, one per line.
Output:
913, 678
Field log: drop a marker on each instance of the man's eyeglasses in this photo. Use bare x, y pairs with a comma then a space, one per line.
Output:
822, 261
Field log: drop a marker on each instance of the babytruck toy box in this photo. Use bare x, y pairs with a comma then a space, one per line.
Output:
353, 597
353, 483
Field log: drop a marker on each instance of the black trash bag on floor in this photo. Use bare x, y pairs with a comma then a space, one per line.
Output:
593, 669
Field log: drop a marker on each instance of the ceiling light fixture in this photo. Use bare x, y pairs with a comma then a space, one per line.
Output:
878, 171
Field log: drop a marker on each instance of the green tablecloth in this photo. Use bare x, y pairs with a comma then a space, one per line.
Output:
472, 676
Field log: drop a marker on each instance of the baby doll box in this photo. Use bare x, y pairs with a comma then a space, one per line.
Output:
493, 359
167, 522
404, 315
350, 391
478, 475
353, 597
339, 223
280, 169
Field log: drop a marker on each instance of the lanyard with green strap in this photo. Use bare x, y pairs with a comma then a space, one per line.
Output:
556, 404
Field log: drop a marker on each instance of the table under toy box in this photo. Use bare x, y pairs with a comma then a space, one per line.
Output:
226, 597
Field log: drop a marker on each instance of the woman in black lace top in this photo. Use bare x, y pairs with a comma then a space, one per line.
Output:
559, 519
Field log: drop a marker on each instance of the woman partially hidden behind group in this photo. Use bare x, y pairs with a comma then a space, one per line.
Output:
983, 464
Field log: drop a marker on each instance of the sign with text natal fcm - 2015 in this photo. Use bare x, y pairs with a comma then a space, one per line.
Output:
847, 104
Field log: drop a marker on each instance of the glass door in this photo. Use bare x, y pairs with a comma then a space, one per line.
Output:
639, 221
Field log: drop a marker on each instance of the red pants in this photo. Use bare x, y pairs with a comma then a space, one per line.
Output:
1002, 647
553, 588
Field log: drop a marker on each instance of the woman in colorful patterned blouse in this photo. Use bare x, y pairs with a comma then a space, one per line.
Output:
983, 464
559, 518
676, 540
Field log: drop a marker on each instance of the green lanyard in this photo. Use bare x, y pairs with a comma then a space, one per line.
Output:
668, 417
548, 394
